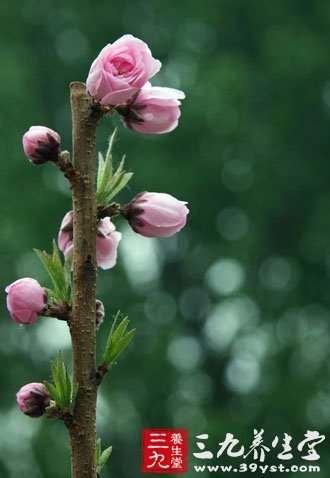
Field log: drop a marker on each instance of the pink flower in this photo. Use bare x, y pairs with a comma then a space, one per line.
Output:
107, 241
156, 214
26, 300
41, 144
65, 236
33, 399
120, 70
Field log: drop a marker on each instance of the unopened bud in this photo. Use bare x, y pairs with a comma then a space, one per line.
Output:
33, 399
41, 144
156, 214
26, 300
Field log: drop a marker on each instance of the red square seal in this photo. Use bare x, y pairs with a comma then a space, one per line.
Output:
164, 450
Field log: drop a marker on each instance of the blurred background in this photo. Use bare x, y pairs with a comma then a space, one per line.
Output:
232, 314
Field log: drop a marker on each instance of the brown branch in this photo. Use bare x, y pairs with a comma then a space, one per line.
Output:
63, 163
102, 370
82, 325
53, 411
59, 310
108, 210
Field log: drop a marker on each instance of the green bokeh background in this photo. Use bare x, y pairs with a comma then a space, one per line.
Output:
232, 314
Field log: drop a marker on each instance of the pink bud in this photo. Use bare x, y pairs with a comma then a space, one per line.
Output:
41, 144
156, 214
26, 300
120, 69
33, 399
107, 240
154, 110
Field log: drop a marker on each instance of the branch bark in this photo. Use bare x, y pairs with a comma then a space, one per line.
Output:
82, 323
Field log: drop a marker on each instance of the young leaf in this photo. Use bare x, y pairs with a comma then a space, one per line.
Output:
124, 180
98, 451
109, 184
56, 272
104, 174
105, 456
117, 341
52, 391
119, 170
60, 390
101, 457
100, 170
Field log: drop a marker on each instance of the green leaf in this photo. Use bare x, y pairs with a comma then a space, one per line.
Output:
100, 170
62, 399
57, 273
52, 391
104, 173
104, 176
98, 451
109, 184
61, 389
119, 170
123, 181
101, 457
105, 456
118, 340
51, 293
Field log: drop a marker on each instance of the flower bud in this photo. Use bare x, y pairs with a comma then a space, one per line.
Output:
26, 300
153, 110
107, 241
41, 144
99, 313
33, 399
156, 214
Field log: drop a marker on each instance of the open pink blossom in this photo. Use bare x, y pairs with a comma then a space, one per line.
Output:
154, 110
65, 235
33, 399
41, 144
120, 69
156, 214
107, 241
26, 300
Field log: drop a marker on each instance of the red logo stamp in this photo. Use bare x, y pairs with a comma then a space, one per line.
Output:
164, 450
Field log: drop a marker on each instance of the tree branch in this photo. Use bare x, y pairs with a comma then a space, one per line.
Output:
82, 323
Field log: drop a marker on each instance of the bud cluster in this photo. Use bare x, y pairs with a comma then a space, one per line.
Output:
120, 76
